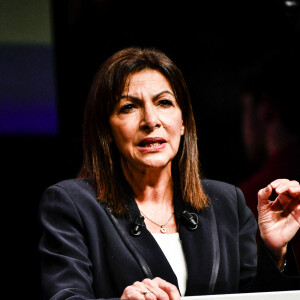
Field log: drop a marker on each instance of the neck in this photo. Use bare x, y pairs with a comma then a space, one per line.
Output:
153, 191
150, 185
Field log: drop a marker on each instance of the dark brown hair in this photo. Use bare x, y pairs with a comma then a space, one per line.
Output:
101, 162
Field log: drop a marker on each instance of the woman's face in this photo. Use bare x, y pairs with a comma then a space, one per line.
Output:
147, 122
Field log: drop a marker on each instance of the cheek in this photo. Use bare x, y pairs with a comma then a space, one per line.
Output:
179, 124
120, 136
123, 133
176, 129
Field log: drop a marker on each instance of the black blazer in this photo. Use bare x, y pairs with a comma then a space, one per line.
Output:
84, 255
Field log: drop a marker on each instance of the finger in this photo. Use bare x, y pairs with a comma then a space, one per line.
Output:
264, 195
285, 185
295, 191
144, 289
150, 296
277, 182
284, 200
155, 289
292, 191
282, 186
294, 208
132, 293
169, 288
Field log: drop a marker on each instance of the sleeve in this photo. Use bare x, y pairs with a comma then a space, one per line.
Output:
65, 264
247, 243
270, 278
261, 274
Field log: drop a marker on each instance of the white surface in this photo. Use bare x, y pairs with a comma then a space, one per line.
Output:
287, 295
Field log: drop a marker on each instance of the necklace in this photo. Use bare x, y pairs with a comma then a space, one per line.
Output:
162, 227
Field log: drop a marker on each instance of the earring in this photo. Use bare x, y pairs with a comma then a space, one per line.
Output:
182, 130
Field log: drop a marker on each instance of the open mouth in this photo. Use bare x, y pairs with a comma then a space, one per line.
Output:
149, 145
151, 142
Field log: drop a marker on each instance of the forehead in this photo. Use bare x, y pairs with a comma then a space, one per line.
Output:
147, 79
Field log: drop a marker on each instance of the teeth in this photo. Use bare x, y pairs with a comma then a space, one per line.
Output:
152, 145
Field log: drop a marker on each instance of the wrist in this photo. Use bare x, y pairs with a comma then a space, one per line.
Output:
281, 262
277, 251
279, 256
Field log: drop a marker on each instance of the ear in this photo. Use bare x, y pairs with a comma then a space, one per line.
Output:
182, 129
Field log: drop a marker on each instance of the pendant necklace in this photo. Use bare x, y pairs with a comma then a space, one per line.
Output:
162, 227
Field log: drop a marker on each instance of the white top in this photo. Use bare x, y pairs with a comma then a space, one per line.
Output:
171, 246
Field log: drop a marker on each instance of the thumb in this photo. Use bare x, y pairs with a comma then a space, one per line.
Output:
264, 195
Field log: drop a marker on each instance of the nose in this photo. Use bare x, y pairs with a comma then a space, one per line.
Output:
150, 119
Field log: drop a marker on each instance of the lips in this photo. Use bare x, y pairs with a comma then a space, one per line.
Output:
151, 142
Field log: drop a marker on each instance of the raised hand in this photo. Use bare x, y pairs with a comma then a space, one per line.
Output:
279, 220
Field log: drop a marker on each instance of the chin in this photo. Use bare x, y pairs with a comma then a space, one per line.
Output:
156, 164
150, 162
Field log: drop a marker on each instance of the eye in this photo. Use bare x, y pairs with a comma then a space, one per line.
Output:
127, 108
165, 103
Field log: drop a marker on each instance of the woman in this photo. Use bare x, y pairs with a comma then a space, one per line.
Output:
139, 223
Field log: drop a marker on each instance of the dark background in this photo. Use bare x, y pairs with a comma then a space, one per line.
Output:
211, 41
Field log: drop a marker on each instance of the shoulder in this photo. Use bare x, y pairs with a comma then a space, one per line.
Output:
212, 184
217, 190
74, 185
72, 193
74, 188
225, 198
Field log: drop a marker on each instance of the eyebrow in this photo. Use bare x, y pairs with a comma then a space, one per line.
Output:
155, 96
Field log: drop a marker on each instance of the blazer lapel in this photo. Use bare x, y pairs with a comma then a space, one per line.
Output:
153, 255
199, 247
147, 246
